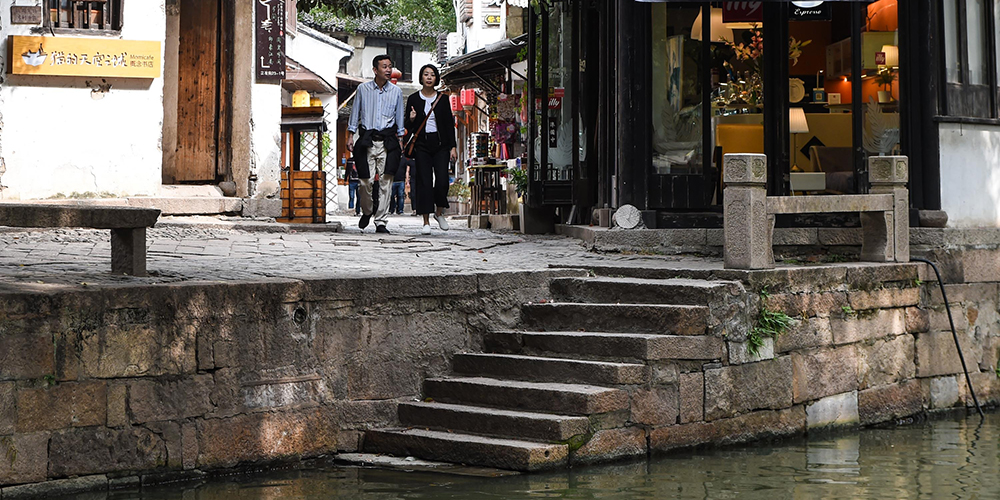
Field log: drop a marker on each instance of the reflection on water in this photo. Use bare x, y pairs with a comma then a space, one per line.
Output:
949, 458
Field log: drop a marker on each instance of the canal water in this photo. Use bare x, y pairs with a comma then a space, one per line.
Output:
956, 456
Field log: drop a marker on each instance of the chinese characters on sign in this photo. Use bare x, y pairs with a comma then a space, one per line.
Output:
72, 56
269, 29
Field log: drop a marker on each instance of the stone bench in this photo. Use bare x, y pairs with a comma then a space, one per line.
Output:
748, 213
127, 224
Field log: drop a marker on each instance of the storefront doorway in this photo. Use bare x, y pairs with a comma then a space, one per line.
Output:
839, 105
653, 93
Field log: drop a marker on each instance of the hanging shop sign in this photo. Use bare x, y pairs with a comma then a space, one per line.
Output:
31, 14
743, 12
821, 12
75, 56
269, 33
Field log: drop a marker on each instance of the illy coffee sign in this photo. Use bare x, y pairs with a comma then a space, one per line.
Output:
743, 12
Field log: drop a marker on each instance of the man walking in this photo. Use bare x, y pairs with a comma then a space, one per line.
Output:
377, 119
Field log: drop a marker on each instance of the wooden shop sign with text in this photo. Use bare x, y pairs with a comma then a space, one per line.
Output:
74, 56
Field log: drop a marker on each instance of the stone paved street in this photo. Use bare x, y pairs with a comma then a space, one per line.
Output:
221, 249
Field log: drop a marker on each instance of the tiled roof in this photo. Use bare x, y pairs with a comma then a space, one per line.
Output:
386, 26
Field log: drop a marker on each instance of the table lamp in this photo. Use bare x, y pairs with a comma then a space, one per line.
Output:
720, 32
797, 124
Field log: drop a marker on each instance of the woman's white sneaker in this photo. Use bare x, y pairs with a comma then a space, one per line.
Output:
442, 222
426, 229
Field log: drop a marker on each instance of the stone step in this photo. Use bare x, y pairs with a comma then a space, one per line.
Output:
541, 369
467, 449
614, 318
563, 399
640, 346
492, 421
622, 290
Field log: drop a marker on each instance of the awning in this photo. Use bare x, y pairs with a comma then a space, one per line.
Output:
477, 65
298, 77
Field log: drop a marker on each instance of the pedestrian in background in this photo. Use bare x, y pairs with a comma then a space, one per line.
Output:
435, 145
399, 185
352, 187
377, 118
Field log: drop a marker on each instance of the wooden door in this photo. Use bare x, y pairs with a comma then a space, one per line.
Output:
197, 92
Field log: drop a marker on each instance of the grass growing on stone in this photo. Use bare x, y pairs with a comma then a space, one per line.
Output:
11, 450
576, 442
768, 324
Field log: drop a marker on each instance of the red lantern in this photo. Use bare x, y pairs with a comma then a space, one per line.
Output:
468, 97
396, 75
455, 105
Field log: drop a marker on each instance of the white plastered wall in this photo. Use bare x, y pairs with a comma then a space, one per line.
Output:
970, 174
322, 54
61, 137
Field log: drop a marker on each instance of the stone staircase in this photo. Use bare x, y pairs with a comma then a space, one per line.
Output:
582, 382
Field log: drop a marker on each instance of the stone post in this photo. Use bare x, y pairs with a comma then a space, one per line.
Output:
889, 175
128, 251
747, 226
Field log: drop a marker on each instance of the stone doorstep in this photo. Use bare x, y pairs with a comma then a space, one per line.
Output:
492, 421
639, 290
467, 448
617, 346
627, 318
542, 369
568, 399
168, 205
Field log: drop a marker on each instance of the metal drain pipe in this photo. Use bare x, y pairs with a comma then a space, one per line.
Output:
954, 335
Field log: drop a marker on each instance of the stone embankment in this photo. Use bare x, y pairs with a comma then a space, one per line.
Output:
636, 361
116, 383
118, 386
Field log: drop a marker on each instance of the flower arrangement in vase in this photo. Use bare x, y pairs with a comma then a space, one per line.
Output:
749, 85
884, 79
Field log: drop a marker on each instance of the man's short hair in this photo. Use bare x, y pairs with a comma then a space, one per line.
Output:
437, 74
379, 58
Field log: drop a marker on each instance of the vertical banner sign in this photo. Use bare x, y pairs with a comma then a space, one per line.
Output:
269, 29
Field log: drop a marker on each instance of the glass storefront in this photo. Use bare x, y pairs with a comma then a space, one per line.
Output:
683, 83
838, 109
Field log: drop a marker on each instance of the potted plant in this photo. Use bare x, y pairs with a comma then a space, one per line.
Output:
884, 79
458, 193
518, 180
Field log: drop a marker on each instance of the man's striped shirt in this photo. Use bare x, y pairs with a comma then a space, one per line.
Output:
377, 108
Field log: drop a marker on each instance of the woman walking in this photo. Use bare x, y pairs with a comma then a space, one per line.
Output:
435, 146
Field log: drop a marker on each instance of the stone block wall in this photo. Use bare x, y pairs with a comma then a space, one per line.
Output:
119, 386
867, 345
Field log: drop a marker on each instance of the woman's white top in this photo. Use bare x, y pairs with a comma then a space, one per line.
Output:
431, 126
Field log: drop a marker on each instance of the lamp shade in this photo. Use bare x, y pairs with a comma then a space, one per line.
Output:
891, 55
720, 32
797, 123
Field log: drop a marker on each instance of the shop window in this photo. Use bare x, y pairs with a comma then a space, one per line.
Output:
970, 72
402, 59
90, 15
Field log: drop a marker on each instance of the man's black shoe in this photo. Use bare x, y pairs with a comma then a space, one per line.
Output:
363, 223
381, 229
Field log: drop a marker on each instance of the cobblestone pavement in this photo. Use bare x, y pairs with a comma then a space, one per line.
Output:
228, 249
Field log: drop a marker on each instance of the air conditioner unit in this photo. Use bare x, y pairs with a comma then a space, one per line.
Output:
456, 45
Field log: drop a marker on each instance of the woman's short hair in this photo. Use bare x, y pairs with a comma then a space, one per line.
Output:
437, 74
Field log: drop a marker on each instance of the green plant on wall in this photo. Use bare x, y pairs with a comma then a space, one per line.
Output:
9, 450
768, 324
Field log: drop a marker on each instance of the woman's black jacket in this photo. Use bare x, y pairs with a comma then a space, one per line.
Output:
442, 116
